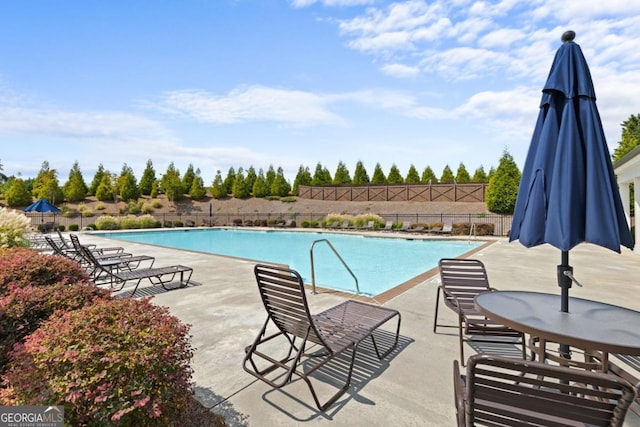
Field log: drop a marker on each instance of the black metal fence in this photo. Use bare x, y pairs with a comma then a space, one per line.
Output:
502, 223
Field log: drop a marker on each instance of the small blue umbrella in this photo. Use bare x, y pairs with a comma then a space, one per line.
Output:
568, 192
41, 205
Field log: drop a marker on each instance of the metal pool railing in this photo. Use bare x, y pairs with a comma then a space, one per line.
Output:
313, 275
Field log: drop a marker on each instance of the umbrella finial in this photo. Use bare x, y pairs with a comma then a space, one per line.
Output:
568, 36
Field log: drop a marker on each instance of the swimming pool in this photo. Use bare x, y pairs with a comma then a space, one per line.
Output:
379, 263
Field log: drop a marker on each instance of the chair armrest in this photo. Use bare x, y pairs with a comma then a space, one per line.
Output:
459, 393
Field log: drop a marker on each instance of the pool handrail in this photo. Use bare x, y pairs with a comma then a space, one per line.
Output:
313, 275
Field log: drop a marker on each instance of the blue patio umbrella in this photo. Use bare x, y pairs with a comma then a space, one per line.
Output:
41, 205
568, 192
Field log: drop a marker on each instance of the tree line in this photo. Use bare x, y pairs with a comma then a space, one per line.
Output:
239, 183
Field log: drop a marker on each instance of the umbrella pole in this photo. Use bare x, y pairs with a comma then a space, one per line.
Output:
564, 282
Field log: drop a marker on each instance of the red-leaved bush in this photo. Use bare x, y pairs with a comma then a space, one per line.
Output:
32, 287
115, 362
23, 309
25, 267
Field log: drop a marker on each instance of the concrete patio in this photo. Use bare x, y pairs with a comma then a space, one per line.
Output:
413, 386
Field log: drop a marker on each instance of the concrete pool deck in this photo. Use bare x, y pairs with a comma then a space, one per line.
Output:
413, 386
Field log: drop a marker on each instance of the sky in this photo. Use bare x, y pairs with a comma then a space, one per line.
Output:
239, 83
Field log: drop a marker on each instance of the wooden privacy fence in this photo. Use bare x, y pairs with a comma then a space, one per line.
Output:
474, 192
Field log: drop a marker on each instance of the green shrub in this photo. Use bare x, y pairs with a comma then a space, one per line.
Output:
87, 213
69, 213
272, 197
106, 222
129, 222
148, 221
288, 199
305, 224
116, 362
74, 227
92, 226
178, 224
147, 209
134, 208
100, 207
61, 227
156, 204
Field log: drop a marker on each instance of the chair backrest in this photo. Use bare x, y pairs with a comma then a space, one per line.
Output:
56, 249
509, 391
283, 295
463, 276
75, 241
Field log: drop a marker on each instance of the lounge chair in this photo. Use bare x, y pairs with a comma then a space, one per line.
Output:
118, 278
406, 226
75, 241
388, 226
369, 225
95, 263
345, 224
502, 391
447, 228
338, 330
334, 224
462, 280
287, 224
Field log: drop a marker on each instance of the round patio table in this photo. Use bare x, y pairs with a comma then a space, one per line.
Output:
590, 325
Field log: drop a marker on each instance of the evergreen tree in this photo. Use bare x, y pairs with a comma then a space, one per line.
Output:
630, 137
303, 177
197, 190
240, 189
105, 191
269, 177
229, 180
127, 185
280, 186
428, 176
148, 177
171, 184
321, 176
155, 189
447, 175
378, 176
97, 179
251, 177
260, 188
187, 179
218, 190
46, 185
18, 193
412, 176
503, 186
394, 176
492, 171
462, 175
480, 175
342, 175
360, 176
75, 189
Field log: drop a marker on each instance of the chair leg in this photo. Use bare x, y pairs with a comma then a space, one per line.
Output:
339, 393
460, 335
435, 316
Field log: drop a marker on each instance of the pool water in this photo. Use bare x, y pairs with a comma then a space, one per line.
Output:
379, 263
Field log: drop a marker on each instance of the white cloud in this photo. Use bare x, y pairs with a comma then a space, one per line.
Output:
80, 125
249, 104
400, 70
307, 3
501, 38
